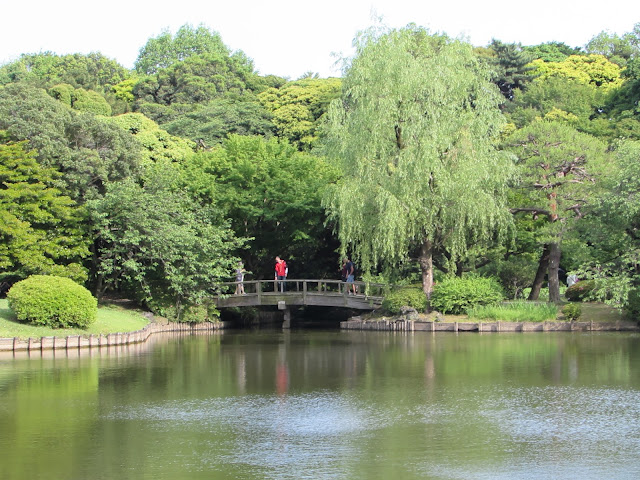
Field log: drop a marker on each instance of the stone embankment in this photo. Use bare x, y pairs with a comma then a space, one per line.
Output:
408, 325
96, 341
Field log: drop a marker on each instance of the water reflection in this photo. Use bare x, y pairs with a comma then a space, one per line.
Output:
281, 405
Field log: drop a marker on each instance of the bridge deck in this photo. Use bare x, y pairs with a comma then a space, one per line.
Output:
325, 293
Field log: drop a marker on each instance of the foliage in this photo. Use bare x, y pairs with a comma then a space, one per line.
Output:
515, 273
191, 313
618, 49
165, 50
158, 243
511, 65
272, 194
87, 149
458, 294
579, 291
572, 311
614, 249
157, 144
52, 301
632, 307
587, 69
558, 167
551, 51
93, 71
556, 94
41, 229
404, 297
299, 107
413, 137
515, 312
197, 79
209, 124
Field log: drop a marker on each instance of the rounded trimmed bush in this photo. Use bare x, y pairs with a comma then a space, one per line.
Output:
51, 301
578, 291
456, 295
405, 297
572, 311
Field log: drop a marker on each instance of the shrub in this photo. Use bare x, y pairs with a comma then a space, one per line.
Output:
515, 312
632, 308
572, 311
579, 291
458, 294
55, 302
404, 297
187, 313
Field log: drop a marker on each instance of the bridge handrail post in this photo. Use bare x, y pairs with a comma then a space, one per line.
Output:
259, 292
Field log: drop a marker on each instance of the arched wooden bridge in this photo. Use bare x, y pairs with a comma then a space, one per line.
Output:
325, 293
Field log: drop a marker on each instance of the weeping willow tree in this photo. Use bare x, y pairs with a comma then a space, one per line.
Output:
414, 135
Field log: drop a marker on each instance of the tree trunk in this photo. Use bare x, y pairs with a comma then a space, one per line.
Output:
554, 267
543, 267
426, 266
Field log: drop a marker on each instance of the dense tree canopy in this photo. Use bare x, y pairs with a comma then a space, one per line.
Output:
41, 229
272, 193
412, 136
299, 107
193, 150
155, 242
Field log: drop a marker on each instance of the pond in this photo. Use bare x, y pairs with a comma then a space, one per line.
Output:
323, 404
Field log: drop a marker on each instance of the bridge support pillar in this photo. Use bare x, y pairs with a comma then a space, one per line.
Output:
287, 314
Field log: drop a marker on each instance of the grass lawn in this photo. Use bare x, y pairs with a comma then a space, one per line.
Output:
111, 319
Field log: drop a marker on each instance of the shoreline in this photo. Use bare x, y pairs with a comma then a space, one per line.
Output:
400, 324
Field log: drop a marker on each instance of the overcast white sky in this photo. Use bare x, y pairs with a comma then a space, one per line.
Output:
291, 37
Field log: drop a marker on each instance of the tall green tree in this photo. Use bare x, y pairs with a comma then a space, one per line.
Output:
41, 229
558, 168
414, 138
155, 242
272, 193
165, 50
511, 67
613, 256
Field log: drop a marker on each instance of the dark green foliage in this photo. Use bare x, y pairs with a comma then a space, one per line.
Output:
633, 304
271, 192
52, 301
572, 311
211, 123
191, 313
89, 150
579, 291
511, 67
457, 294
405, 297
157, 243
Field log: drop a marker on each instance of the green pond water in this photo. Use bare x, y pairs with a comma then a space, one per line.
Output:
313, 404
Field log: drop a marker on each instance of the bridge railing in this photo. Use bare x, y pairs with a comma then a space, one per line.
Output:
307, 286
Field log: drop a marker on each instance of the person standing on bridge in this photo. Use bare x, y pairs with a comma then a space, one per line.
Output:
240, 271
350, 270
281, 274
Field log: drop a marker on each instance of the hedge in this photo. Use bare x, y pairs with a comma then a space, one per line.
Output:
52, 301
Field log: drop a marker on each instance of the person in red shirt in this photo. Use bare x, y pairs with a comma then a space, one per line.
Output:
281, 274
